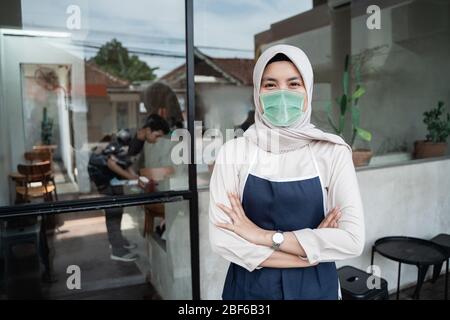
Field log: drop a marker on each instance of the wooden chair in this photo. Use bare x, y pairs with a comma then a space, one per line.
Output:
154, 210
151, 212
34, 181
50, 147
41, 155
39, 173
38, 155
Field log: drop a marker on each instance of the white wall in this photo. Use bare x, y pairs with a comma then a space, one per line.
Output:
171, 266
409, 200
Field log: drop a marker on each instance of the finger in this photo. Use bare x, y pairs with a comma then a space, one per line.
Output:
330, 216
239, 204
325, 221
328, 219
333, 219
334, 211
226, 226
228, 211
337, 218
236, 204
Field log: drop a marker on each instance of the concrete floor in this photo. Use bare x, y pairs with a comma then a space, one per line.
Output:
430, 291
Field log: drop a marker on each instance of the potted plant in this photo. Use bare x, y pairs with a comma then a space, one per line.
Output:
438, 129
46, 128
349, 103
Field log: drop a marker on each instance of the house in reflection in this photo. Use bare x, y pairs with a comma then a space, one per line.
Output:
111, 103
223, 87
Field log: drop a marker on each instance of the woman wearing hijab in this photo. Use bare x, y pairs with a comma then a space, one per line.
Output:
284, 199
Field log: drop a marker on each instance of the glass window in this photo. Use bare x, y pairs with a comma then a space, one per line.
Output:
400, 54
393, 52
87, 86
228, 36
116, 253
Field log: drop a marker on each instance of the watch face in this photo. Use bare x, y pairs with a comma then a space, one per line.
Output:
278, 238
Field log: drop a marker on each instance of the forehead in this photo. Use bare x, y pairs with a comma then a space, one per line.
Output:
281, 69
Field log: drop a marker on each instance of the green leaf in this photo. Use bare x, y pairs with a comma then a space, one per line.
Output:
358, 93
341, 123
343, 104
365, 135
345, 79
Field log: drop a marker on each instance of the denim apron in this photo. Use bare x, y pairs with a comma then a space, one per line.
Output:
286, 205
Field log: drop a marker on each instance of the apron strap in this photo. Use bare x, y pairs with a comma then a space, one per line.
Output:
250, 167
324, 190
314, 159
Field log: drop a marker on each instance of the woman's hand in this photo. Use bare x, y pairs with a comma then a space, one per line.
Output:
331, 220
240, 224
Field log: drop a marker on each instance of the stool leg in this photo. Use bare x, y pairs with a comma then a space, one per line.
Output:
398, 280
421, 272
436, 271
371, 260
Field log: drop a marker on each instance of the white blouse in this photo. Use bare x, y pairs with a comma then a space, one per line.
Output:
340, 187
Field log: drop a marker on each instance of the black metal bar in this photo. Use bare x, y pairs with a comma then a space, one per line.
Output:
93, 204
193, 203
446, 281
372, 258
398, 279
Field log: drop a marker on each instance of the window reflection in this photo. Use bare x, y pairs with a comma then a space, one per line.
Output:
40, 254
73, 82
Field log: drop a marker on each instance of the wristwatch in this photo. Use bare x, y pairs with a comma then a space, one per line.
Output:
277, 240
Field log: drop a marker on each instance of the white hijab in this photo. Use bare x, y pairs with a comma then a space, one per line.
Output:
283, 139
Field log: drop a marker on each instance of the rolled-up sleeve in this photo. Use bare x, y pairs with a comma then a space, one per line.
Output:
223, 242
346, 241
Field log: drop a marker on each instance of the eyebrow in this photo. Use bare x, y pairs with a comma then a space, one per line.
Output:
269, 79
275, 80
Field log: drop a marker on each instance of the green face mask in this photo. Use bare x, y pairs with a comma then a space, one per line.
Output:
282, 107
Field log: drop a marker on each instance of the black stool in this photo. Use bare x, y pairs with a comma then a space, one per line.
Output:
444, 241
354, 285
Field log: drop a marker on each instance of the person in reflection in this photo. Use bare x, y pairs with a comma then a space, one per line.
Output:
248, 122
109, 166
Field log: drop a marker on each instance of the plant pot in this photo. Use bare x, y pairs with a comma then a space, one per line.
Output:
361, 157
428, 149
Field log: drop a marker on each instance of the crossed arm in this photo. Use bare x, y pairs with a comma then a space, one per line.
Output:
291, 254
